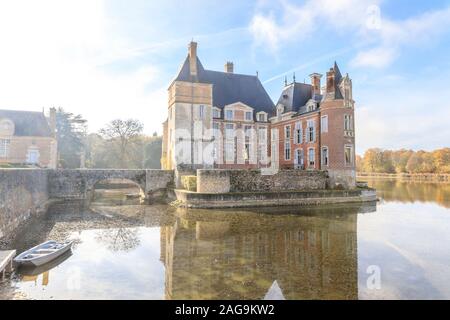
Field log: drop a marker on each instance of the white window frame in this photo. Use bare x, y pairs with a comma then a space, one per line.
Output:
4, 148
287, 147
287, 132
322, 158
309, 131
324, 124
216, 113
227, 114
298, 133
351, 164
201, 111
314, 158
250, 117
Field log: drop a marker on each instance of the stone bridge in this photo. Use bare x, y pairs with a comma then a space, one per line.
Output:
79, 183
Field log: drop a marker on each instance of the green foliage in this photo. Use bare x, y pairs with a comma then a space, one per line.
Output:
70, 134
142, 152
404, 161
189, 182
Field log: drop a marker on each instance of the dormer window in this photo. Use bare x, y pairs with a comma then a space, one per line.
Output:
229, 114
262, 117
285, 96
248, 116
6, 127
280, 110
311, 107
216, 113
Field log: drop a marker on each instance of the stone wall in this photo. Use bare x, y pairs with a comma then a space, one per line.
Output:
223, 181
23, 192
79, 183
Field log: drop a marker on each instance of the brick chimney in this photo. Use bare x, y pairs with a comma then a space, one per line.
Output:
193, 58
330, 82
229, 67
315, 82
52, 120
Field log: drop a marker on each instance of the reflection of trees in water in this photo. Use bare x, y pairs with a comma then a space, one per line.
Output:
397, 190
120, 239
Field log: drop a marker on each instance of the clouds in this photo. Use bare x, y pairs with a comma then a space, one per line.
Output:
363, 22
55, 53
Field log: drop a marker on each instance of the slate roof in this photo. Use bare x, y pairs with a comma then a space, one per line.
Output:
27, 123
229, 88
295, 96
337, 81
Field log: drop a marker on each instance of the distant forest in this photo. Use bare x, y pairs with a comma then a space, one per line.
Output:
404, 161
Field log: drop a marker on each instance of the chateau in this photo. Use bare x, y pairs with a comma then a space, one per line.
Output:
226, 120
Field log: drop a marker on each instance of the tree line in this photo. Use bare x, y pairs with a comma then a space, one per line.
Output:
119, 144
377, 160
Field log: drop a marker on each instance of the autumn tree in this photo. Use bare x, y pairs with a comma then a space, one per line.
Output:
120, 133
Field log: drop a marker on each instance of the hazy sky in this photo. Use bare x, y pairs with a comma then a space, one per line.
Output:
114, 59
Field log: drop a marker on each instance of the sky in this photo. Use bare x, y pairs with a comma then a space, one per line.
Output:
108, 59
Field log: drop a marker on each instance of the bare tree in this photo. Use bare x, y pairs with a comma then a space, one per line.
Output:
122, 132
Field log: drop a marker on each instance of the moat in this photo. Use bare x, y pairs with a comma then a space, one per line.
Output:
125, 250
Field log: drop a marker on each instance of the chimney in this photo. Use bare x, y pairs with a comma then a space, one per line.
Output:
229, 67
193, 58
330, 82
52, 120
315, 82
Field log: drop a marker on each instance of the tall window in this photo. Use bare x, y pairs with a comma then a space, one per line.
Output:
324, 124
248, 116
201, 112
216, 129
325, 156
348, 151
229, 152
229, 115
262, 132
348, 122
247, 151
229, 131
298, 135
4, 148
248, 131
287, 132
298, 161
287, 150
311, 157
311, 131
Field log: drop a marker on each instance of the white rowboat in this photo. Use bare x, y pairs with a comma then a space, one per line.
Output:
43, 253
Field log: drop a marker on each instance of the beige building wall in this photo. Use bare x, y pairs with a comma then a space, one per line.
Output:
20, 147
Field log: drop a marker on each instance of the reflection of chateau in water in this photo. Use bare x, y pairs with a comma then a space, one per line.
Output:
230, 255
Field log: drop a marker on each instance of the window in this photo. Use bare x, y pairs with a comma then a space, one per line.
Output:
4, 148
287, 150
262, 134
33, 156
311, 157
248, 116
280, 110
298, 161
216, 113
261, 117
229, 114
324, 124
311, 131
348, 155
287, 132
229, 131
201, 112
348, 126
247, 151
325, 156
298, 135
229, 152
311, 107
248, 131
216, 130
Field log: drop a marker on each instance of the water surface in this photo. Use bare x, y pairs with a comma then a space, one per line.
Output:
395, 249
